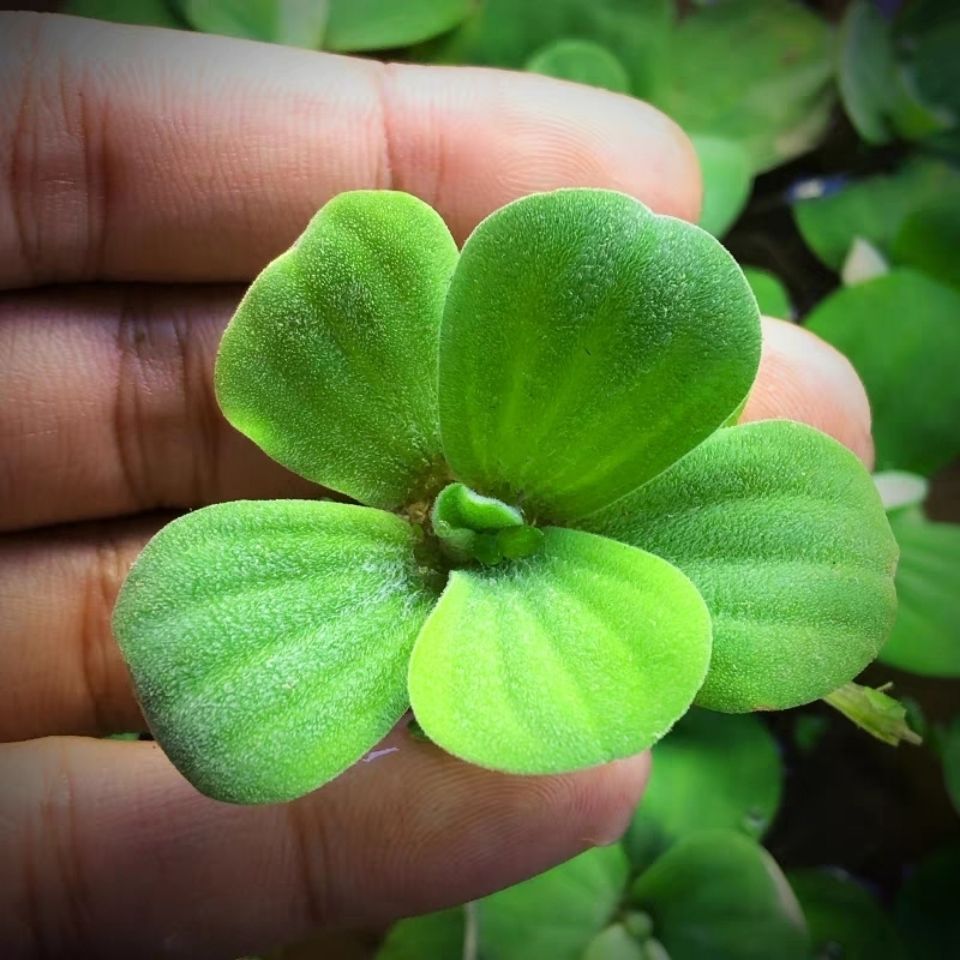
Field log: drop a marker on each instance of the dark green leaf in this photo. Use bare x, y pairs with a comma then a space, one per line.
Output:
583, 62
586, 652
926, 635
926, 909
727, 179
329, 364
771, 294
756, 71
720, 896
269, 641
950, 753
435, 936
586, 345
557, 914
712, 771
299, 23
384, 24
844, 920
901, 330
783, 532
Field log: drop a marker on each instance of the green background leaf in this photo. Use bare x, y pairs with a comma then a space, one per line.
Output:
586, 345
156, 13
756, 71
727, 179
926, 909
581, 61
712, 771
874, 208
902, 333
926, 635
293, 22
587, 652
783, 532
720, 896
329, 363
269, 640
950, 753
506, 33
929, 238
556, 914
382, 24
434, 936
772, 296
614, 943
843, 919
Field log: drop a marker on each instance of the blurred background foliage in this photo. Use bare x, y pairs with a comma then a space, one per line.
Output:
829, 139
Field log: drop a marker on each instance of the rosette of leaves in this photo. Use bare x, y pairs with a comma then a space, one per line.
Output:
555, 543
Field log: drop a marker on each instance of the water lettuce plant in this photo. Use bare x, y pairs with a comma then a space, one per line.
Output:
557, 541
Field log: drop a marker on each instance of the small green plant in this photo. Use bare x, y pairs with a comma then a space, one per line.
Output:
558, 542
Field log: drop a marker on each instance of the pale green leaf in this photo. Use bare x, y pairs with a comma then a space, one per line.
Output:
382, 24
556, 914
581, 61
755, 71
155, 13
863, 262
718, 895
782, 530
875, 712
727, 179
434, 936
507, 33
269, 640
329, 363
586, 345
902, 333
772, 296
926, 635
712, 771
900, 490
874, 208
584, 653
843, 918
298, 23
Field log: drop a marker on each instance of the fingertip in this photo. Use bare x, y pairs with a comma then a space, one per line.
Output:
804, 378
469, 140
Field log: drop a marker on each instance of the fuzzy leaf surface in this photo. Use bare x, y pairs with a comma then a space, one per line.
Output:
556, 914
382, 24
329, 364
584, 653
720, 896
782, 530
900, 330
926, 635
268, 641
586, 345
712, 771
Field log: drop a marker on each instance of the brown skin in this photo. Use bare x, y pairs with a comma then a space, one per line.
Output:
138, 155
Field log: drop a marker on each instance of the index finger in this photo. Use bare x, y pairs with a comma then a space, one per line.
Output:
147, 154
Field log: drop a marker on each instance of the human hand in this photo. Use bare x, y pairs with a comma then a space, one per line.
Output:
138, 157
